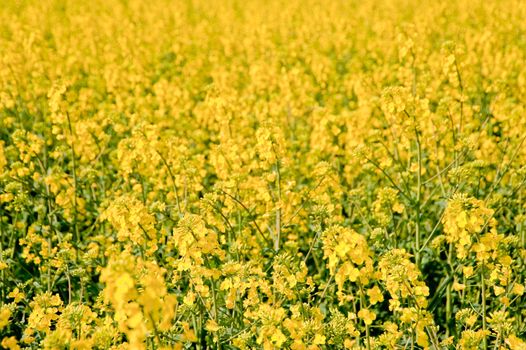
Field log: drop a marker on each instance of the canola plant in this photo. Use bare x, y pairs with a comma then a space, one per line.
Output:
249, 174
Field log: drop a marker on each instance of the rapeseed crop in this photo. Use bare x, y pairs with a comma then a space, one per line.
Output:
192, 174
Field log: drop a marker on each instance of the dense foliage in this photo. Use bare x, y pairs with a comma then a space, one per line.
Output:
309, 174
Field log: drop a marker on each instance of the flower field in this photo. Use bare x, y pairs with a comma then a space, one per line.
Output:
196, 174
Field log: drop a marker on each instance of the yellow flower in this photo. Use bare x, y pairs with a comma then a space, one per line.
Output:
398, 208
375, 295
458, 286
5, 313
189, 298
188, 333
10, 343
462, 219
16, 294
498, 290
3, 160
468, 271
518, 289
278, 338
515, 343
318, 339
367, 316
212, 326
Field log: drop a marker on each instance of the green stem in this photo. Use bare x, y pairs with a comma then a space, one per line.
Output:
362, 305
75, 181
449, 313
483, 297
